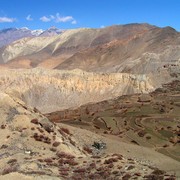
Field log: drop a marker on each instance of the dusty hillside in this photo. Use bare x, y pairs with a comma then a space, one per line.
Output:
54, 90
133, 48
145, 120
34, 148
141, 52
69, 42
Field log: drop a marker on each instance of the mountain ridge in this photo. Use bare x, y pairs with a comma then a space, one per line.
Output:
111, 49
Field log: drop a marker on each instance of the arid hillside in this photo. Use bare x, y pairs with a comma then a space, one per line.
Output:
32, 147
145, 120
132, 48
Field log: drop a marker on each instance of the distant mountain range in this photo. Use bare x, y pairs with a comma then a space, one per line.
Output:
9, 35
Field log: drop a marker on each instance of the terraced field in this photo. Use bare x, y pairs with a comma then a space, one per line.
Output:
149, 120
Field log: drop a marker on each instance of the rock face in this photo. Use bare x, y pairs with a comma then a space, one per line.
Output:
49, 90
54, 90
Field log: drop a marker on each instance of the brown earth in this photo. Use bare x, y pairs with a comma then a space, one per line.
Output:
40, 149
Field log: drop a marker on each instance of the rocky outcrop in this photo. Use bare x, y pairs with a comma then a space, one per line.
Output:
49, 90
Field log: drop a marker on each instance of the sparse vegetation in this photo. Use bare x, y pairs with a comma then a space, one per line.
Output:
87, 149
35, 121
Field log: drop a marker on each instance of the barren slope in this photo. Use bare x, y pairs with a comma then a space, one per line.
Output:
144, 120
34, 148
133, 48
143, 52
70, 42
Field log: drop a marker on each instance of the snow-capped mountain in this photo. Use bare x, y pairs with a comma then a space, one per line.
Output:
37, 32
52, 31
7, 36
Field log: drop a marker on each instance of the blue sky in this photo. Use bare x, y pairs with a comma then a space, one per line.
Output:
42, 14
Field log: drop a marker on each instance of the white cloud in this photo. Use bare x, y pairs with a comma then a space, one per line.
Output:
7, 20
102, 26
28, 18
45, 19
63, 18
52, 17
58, 19
74, 22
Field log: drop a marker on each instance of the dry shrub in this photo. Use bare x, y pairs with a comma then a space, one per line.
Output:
9, 170
72, 142
148, 137
11, 161
100, 169
103, 173
40, 160
141, 133
158, 172
53, 149
96, 157
110, 165
126, 177
40, 130
65, 130
119, 156
56, 144
92, 165
119, 167
3, 126
94, 176
48, 160
97, 127
115, 172
130, 167
80, 170
73, 163
87, 149
35, 121
152, 177
70, 162
98, 161
35, 172
111, 160
64, 155
64, 169
4, 146
137, 174
64, 173
42, 138
165, 145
